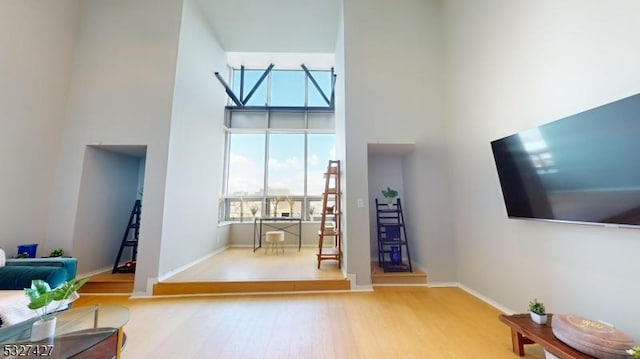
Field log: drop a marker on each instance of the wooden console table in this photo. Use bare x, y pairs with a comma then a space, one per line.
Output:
526, 331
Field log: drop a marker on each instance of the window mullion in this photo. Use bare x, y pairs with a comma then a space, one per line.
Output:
266, 171
303, 205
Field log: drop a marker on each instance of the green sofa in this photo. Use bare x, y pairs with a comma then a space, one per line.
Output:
18, 273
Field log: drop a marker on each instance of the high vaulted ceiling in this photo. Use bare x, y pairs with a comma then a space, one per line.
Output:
302, 26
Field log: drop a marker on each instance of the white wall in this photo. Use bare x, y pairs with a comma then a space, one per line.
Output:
393, 94
107, 194
340, 117
194, 169
37, 39
120, 94
513, 65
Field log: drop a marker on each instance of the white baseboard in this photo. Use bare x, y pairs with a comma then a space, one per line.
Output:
94, 272
482, 297
487, 300
442, 284
401, 285
188, 265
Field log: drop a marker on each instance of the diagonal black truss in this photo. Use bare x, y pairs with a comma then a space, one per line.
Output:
316, 84
241, 81
255, 87
241, 101
333, 89
229, 91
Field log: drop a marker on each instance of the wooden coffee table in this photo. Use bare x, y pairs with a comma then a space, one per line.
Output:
525, 331
83, 332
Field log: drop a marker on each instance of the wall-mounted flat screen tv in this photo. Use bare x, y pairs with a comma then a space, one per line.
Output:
583, 168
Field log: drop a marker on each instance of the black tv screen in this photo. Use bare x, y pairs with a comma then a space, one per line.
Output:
583, 168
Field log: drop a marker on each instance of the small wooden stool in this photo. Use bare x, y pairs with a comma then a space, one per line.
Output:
274, 240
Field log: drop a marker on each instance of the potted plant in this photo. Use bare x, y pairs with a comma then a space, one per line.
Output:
390, 194
537, 311
254, 210
276, 202
59, 252
41, 296
291, 202
241, 209
220, 209
634, 352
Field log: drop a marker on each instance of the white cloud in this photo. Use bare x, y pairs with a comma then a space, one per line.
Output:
245, 175
236, 159
290, 163
313, 160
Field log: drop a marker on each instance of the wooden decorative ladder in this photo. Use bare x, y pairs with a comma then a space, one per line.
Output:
330, 223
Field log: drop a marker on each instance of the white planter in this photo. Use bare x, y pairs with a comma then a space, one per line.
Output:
540, 319
43, 329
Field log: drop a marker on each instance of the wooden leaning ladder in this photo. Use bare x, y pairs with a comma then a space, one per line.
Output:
330, 223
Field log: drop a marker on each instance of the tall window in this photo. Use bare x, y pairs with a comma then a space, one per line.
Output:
294, 181
320, 149
286, 164
275, 157
246, 164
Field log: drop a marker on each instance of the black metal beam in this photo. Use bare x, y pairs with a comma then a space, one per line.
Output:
241, 81
255, 87
228, 90
333, 89
280, 108
316, 84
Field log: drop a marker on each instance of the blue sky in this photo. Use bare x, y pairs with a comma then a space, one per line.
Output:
286, 162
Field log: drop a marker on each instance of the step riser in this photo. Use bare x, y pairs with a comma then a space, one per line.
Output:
399, 280
379, 276
107, 287
249, 287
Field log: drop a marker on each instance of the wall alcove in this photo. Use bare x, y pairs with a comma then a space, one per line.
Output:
386, 168
112, 180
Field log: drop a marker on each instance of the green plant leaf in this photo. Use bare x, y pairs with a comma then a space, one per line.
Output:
41, 301
537, 307
38, 288
39, 294
389, 193
67, 288
57, 253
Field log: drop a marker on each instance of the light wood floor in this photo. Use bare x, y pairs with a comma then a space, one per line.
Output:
390, 322
245, 264
237, 270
